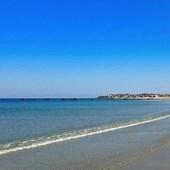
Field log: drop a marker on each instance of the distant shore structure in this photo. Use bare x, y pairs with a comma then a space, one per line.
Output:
140, 96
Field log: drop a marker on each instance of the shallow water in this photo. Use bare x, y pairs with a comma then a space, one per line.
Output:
123, 149
26, 122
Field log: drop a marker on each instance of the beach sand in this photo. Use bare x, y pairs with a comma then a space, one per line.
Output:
136, 148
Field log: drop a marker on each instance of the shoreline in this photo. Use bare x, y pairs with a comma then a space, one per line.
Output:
128, 149
81, 134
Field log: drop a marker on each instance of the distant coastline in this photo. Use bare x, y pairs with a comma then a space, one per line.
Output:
141, 96
120, 96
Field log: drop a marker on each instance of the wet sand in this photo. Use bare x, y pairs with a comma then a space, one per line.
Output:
135, 148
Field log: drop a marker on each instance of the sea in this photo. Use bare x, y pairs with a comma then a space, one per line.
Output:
31, 123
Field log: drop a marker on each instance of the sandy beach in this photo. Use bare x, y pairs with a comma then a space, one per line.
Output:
85, 85
140, 147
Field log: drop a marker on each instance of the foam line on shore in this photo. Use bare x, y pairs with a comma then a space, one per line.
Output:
25, 145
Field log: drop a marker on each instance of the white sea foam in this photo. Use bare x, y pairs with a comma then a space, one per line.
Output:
42, 141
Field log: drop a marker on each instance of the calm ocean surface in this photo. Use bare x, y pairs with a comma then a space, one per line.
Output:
22, 120
28, 124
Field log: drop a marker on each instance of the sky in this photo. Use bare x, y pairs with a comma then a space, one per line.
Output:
69, 48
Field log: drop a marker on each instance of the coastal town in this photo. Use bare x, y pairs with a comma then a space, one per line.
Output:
141, 96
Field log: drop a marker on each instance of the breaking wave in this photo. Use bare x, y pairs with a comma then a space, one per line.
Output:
46, 140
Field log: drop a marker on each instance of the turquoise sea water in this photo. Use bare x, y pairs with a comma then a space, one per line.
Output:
25, 120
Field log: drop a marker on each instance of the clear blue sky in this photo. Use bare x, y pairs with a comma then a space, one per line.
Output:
85, 48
